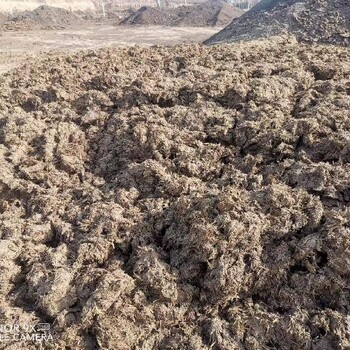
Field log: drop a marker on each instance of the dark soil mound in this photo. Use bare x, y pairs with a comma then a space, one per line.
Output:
178, 198
212, 13
309, 20
44, 17
227, 13
150, 16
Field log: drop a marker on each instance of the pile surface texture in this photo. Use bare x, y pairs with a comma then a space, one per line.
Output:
179, 198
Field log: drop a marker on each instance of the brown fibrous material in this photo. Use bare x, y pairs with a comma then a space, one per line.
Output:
179, 198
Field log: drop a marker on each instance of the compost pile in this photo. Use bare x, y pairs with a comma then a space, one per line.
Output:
323, 21
44, 17
211, 13
150, 16
179, 198
226, 14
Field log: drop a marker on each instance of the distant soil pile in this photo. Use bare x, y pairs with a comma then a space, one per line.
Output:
151, 16
324, 21
226, 14
212, 13
16, 6
179, 198
118, 15
44, 17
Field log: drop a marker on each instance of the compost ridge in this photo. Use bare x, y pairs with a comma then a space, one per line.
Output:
44, 17
210, 13
313, 21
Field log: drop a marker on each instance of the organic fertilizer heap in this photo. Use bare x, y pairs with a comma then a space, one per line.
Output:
44, 17
210, 13
178, 198
324, 21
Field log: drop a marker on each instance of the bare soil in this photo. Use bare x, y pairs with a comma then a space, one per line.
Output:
178, 198
17, 47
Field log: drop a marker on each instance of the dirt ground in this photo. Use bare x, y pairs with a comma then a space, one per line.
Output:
178, 198
17, 47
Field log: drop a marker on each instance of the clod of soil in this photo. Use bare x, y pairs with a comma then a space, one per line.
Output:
44, 17
211, 13
322, 21
179, 198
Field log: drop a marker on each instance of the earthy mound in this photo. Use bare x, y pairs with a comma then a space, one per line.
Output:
119, 15
150, 16
179, 198
212, 13
15, 6
227, 13
44, 17
326, 21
